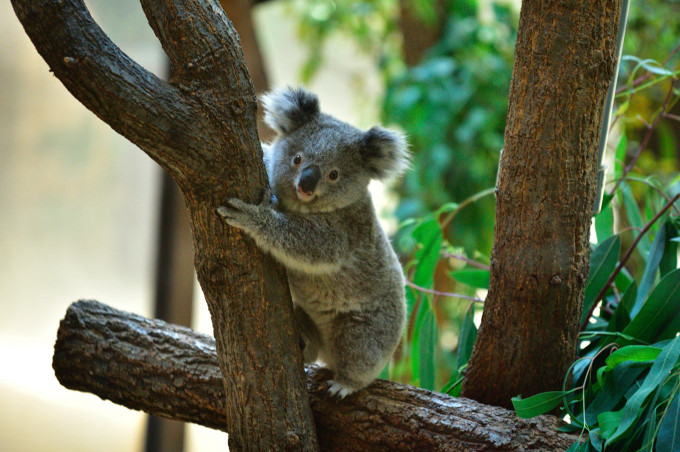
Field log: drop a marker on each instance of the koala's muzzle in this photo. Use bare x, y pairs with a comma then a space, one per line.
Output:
308, 179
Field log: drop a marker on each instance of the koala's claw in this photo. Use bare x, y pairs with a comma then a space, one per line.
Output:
234, 212
338, 389
268, 197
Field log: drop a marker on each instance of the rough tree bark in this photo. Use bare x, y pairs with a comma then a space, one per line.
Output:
172, 371
201, 129
564, 61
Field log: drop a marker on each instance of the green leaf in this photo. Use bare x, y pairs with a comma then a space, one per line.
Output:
410, 300
616, 384
429, 235
474, 277
602, 263
649, 276
621, 317
427, 346
620, 156
538, 404
423, 308
659, 317
385, 373
608, 422
668, 438
657, 375
637, 353
604, 221
468, 335
578, 447
669, 261
452, 388
655, 67
634, 217
446, 208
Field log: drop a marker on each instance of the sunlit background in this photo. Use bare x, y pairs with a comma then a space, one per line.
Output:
78, 215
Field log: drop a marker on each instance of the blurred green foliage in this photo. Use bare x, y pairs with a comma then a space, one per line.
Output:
453, 106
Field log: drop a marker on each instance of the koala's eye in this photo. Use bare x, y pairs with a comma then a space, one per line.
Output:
297, 159
333, 175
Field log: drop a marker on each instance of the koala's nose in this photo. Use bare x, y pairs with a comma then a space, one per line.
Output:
309, 178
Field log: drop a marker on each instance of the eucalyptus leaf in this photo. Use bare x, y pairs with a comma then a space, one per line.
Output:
651, 269
613, 391
634, 217
669, 261
604, 221
538, 404
429, 236
637, 353
620, 155
668, 438
659, 317
427, 345
657, 374
621, 317
468, 335
602, 264
474, 277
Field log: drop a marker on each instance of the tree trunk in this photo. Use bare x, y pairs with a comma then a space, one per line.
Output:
200, 127
564, 61
172, 371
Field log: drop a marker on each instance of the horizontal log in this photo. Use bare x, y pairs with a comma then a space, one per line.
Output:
172, 371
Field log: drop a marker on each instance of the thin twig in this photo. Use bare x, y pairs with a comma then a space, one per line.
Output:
442, 294
470, 200
642, 78
650, 185
648, 136
625, 258
467, 260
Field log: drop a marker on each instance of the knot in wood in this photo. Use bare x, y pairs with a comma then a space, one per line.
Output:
555, 280
70, 61
292, 441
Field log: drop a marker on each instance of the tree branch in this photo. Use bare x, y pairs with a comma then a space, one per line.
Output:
172, 371
133, 101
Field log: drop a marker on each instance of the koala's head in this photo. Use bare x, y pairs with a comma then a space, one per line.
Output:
318, 163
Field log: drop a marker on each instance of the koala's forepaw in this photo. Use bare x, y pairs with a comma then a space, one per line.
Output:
235, 212
339, 390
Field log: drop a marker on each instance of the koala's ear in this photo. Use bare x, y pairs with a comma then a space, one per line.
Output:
385, 153
289, 108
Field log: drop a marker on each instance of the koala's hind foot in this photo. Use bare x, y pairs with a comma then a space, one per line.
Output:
338, 389
342, 386
358, 351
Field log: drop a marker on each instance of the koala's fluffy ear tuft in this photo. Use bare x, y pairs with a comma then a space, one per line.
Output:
289, 108
385, 153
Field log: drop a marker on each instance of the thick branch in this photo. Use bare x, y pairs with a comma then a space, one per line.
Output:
218, 53
133, 101
172, 371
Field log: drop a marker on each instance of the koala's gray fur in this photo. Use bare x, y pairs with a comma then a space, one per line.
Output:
346, 282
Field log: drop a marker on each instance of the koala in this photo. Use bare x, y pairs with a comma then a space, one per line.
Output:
345, 280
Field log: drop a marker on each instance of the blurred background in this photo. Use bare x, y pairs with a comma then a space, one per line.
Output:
81, 211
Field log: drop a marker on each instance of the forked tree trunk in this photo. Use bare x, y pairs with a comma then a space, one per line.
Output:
201, 129
564, 61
